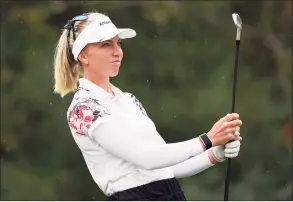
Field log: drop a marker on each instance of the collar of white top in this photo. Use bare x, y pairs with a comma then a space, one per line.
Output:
97, 90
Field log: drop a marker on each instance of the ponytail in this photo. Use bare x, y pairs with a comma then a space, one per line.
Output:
66, 69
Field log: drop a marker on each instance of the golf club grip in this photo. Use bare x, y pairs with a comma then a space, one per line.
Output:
227, 179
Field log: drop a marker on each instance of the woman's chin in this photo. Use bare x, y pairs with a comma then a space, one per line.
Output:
114, 69
114, 73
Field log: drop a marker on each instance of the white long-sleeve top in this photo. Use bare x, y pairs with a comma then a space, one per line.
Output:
120, 144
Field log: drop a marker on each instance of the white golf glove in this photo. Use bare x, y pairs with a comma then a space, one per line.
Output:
229, 150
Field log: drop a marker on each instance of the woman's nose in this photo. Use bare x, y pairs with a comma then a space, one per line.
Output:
117, 51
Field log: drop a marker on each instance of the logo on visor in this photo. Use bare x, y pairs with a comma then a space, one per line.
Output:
105, 22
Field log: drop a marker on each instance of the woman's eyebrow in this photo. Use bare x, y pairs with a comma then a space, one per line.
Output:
112, 41
108, 41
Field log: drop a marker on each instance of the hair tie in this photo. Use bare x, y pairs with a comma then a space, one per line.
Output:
69, 24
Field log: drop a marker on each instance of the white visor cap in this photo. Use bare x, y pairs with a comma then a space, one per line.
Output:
99, 30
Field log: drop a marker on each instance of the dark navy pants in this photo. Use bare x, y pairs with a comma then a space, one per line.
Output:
163, 190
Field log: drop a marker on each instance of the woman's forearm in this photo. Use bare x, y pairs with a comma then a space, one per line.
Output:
192, 166
125, 142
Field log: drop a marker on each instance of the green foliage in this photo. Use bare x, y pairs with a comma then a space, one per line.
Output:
181, 69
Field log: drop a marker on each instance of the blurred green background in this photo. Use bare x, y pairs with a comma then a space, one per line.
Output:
180, 66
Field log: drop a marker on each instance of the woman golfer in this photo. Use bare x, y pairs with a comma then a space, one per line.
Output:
126, 156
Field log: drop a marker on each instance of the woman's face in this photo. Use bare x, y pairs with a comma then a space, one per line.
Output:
102, 59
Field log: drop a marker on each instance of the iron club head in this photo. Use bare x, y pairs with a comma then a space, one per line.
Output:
237, 20
238, 23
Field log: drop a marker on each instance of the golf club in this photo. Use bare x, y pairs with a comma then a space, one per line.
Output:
238, 24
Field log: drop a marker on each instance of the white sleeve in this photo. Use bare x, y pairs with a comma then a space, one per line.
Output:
126, 141
192, 166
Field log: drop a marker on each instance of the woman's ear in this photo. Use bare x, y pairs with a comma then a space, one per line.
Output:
83, 58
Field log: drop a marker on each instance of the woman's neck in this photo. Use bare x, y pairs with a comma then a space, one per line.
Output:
103, 83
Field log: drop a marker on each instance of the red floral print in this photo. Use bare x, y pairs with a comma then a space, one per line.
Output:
84, 113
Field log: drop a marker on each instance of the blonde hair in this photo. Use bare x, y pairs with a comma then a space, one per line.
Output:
66, 70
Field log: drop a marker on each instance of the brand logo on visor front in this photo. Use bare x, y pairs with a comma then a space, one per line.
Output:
105, 22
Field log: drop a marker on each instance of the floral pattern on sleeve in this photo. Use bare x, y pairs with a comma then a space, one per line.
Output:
84, 113
138, 103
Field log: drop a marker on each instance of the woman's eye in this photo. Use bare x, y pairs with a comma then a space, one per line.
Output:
120, 43
105, 45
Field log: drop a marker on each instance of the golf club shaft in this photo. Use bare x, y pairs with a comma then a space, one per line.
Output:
235, 76
227, 180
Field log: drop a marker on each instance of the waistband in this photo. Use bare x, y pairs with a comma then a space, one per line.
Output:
157, 189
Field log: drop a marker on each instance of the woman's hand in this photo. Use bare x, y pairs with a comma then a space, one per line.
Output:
224, 130
221, 152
